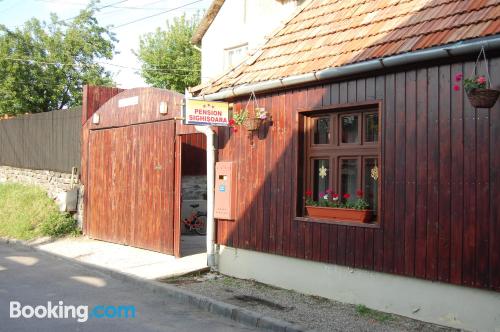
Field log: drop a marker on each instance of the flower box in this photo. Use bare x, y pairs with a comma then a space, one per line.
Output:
339, 214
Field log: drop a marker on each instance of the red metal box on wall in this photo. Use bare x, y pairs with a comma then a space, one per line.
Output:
224, 191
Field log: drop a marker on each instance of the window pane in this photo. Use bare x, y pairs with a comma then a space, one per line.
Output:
321, 177
349, 176
371, 127
234, 56
371, 182
350, 129
322, 131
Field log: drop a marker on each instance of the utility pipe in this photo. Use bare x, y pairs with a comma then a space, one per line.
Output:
209, 133
459, 48
210, 240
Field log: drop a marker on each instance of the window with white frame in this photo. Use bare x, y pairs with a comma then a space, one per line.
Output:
234, 55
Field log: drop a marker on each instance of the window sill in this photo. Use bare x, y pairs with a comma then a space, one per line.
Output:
337, 222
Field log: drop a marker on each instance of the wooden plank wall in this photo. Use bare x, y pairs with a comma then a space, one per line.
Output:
128, 170
440, 168
94, 97
44, 141
130, 187
194, 154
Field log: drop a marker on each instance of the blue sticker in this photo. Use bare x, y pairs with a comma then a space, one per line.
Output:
222, 188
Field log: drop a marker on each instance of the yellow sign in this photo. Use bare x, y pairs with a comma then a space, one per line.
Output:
206, 113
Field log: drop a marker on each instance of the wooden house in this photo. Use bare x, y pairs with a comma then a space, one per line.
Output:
353, 88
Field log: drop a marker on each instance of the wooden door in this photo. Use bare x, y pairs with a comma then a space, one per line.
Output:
131, 185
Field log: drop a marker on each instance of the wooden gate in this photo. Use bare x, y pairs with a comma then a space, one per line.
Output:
130, 185
129, 170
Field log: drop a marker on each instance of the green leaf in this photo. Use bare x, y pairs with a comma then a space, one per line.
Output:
43, 66
168, 59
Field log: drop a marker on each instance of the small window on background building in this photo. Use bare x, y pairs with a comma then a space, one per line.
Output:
234, 56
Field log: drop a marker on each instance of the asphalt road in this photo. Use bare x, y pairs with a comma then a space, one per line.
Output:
33, 279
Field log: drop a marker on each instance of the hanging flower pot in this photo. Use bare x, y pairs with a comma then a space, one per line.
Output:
252, 124
483, 98
478, 87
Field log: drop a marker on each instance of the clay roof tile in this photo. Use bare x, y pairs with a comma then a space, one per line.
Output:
333, 33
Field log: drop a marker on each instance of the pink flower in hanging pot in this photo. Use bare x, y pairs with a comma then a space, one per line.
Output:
456, 87
261, 113
458, 77
481, 80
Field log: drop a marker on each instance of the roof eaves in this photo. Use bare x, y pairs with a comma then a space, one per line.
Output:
206, 21
442, 51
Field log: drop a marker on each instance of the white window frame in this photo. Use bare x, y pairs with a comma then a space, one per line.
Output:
229, 61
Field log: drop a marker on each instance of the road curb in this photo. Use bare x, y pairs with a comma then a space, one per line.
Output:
230, 311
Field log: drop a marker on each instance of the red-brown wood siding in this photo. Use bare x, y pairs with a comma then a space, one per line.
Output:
130, 170
194, 154
130, 187
94, 97
440, 171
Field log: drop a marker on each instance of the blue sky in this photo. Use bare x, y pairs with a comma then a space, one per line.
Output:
16, 12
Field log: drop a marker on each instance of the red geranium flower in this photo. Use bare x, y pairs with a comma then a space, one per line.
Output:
458, 77
309, 193
359, 193
232, 122
346, 196
456, 87
335, 196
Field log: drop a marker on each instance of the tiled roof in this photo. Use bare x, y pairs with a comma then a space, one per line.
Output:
333, 33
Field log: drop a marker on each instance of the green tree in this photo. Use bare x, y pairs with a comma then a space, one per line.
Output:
43, 66
168, 59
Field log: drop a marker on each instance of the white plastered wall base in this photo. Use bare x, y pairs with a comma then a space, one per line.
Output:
444, 304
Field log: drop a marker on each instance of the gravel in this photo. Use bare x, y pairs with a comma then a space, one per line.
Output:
311, 312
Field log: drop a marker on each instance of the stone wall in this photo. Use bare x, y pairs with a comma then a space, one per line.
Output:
194, 187
52, 182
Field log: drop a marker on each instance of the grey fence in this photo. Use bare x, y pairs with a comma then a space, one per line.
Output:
48, 141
